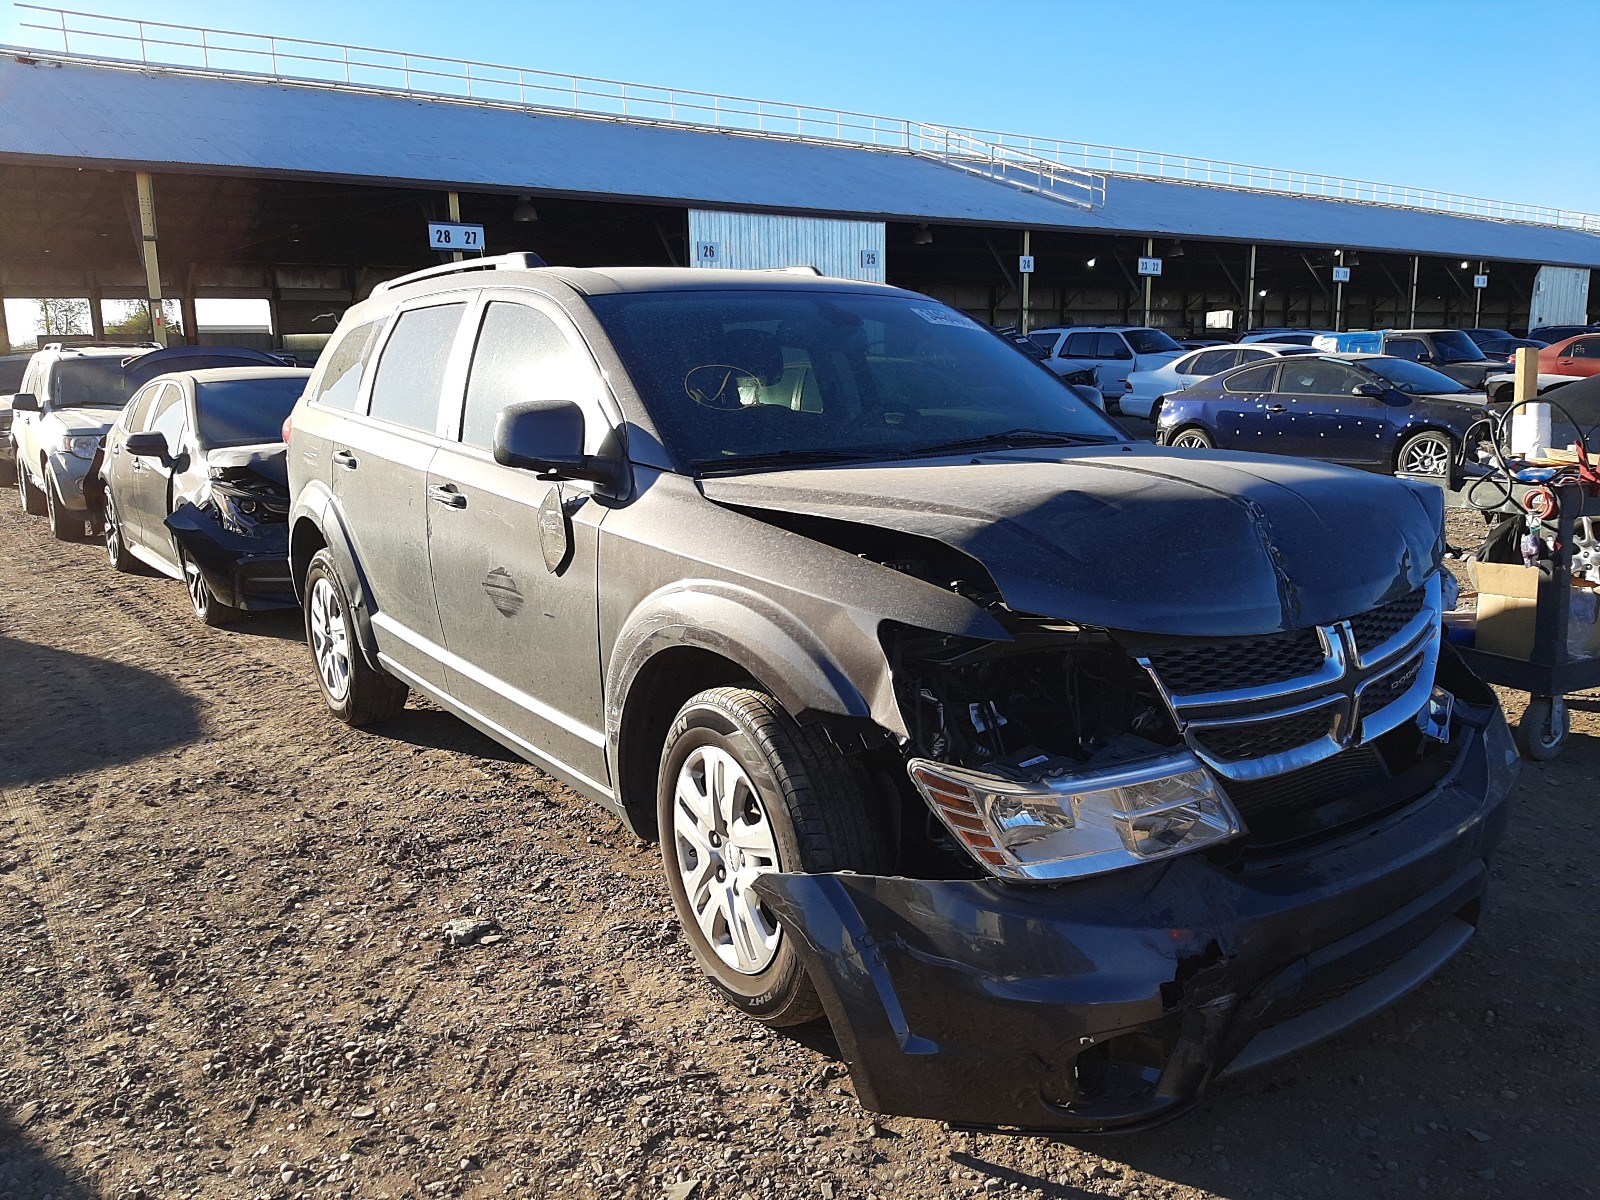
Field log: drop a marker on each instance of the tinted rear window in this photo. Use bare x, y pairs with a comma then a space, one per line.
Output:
341, 379
241, 412
1150, 341
11, 375
89, 382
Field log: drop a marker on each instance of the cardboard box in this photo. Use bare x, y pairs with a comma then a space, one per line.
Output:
1508, 595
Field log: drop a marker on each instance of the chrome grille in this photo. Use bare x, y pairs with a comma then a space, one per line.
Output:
1374, 628
1192, 668
1262, 739
1384, 692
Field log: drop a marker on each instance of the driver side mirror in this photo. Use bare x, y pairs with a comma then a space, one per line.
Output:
148, 445
546, 436
1370, 390
25, 402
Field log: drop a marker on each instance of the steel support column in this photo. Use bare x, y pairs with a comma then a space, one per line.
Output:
1027, 281
5, 330
147, 246
1477, 296
1416, 268
455, 215
1250, 292
1149, 280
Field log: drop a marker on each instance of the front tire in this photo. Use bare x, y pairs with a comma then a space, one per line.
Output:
1427, 453
117, 552
745, 789
207, 608
356, 693
64, 525
30, 497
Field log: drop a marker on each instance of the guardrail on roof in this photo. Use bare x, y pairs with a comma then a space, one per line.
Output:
1070, 171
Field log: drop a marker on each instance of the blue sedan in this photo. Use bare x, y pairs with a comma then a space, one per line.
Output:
1363, 410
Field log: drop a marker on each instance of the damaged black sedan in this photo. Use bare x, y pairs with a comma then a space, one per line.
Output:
1062, 774
193, 484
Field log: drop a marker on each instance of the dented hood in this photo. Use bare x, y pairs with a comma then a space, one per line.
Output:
1140, 538
268, 459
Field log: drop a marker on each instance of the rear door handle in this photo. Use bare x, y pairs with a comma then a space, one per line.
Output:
1276, 408
447, 495
345, 459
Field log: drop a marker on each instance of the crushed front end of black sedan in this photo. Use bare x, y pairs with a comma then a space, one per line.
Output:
237, 533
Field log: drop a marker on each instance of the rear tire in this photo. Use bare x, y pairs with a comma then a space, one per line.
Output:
1192, 437
30, 497
356, 693
745, 789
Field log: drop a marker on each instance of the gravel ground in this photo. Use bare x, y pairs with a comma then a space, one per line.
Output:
226, 974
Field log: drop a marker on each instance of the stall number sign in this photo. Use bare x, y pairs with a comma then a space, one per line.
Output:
446, 235
1025, 264
708, 252
1341, 274
869, 259
1149, 266
1480, 281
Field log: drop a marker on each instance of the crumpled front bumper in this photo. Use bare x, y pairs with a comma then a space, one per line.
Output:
1109, 1003
243, 570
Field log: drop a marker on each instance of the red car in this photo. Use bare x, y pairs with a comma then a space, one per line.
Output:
1575, 356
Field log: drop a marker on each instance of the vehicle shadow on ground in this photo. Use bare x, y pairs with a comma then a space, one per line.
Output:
281, 624
49, 736
27, 1170
438, 730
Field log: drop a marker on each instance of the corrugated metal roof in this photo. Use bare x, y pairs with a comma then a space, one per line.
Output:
154, 118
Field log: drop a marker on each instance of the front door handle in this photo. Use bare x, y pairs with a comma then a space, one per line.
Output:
345, 459
1276, 408
447, 495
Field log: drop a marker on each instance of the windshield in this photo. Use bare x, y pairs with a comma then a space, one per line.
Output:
242, 412
1413, 379
1149, 341
89, 383
1453, 346
739, 376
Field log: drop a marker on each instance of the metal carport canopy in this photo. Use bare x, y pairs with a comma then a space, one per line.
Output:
68, 111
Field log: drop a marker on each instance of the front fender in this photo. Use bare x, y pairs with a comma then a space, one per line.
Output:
778, 649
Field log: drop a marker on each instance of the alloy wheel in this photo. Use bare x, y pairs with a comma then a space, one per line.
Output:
114, 549
195, 584
330, 643
1191, 439
1427, 454
724, 842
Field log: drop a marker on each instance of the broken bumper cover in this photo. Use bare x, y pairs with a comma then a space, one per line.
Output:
243, 570
1109, 1003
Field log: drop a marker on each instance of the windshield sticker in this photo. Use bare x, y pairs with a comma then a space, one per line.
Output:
946, 316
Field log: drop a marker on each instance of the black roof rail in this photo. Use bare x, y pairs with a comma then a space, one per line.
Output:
521, 261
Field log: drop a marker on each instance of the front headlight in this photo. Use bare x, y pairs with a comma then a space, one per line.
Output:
1068, 825
81, 446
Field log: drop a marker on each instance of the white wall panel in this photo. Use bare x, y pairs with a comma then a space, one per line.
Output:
1560, 297
749, 241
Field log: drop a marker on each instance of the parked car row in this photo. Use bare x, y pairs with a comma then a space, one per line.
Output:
1060, 772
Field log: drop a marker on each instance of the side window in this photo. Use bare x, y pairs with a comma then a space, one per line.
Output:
1252, 379
1212, 362
1250, 356
411, 371
341, 380
1045, 341
1585, 348
522, 355
1407, 348
1316, 377
171, 417
1081, 345
133, 417
1112, 346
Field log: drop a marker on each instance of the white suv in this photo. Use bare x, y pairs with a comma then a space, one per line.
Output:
1112, 351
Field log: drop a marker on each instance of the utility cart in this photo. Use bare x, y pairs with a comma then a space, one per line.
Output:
1550, 672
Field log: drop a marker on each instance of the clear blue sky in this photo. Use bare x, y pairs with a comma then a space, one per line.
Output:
1490, 99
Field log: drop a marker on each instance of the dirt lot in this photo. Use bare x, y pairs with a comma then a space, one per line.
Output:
224, 975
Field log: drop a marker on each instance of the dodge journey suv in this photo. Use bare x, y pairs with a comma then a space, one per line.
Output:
1060, 772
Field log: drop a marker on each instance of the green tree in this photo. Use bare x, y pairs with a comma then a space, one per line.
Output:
64, 315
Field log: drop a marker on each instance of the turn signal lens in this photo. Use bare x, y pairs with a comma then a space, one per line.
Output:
1065, 825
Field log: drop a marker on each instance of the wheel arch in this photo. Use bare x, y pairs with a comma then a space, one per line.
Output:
1411, 431
314, 525
704, 634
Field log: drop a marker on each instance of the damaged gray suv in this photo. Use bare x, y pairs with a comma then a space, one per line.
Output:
1061, 773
